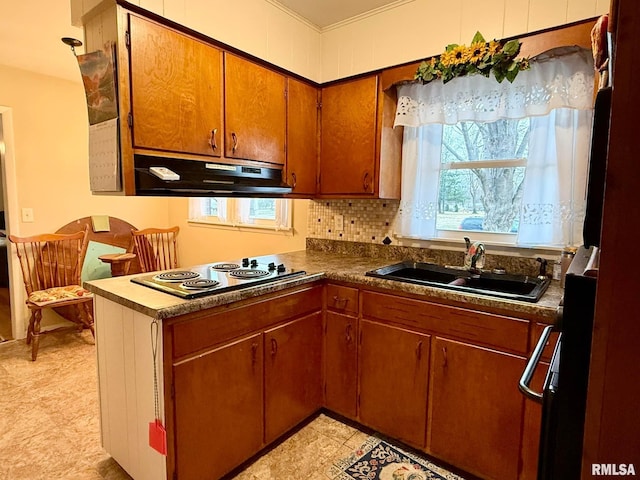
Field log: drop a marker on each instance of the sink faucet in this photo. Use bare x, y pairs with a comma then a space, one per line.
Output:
478, 255
474, 255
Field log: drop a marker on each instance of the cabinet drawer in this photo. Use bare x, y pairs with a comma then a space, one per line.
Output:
342, 299
496, 330
193, 335
536, 331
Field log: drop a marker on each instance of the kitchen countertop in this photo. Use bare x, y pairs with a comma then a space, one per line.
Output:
318, 265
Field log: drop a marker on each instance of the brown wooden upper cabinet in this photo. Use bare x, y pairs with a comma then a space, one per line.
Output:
359, 151
255, 111
302, 137
176, 90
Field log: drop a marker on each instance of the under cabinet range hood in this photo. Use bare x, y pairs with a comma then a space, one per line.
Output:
168, 177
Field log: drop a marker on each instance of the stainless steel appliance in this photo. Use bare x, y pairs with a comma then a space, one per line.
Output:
213, 278
564, 394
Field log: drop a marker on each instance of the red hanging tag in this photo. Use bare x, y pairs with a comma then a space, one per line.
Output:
158, 437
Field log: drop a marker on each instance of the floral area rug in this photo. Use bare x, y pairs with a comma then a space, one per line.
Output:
379, 460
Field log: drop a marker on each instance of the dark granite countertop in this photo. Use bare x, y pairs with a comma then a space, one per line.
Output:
318, 265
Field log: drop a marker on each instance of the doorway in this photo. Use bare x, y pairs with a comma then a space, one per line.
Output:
11, 294
6, 331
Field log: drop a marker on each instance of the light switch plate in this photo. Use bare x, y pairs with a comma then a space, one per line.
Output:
27, 215
338, 222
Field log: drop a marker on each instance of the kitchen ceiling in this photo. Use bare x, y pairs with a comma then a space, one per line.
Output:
324, 13
31, 41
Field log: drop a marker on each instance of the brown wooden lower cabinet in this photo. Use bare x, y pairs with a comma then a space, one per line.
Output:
341, 364
292, 371
457, 401
531, 428
218, 409
393, 378
475, 409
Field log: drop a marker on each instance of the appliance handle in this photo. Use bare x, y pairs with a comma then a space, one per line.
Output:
527, 375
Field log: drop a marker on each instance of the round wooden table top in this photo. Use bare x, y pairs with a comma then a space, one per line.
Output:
117, 257
119, 235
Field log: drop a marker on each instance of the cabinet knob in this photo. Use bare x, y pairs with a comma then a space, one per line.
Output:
212, 140
294, 179
365, 181
444, 356
419, 350
274, 347
348, 333
234, 137
254, 356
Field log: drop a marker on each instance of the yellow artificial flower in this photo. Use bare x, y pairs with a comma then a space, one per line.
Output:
477, 51
456, 56
493, 47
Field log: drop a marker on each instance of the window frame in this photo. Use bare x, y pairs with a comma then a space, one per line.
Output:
504, 238
232, 218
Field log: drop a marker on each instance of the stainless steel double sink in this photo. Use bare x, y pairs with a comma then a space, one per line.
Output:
514, 287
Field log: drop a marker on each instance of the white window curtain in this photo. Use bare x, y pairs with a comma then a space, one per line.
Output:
557, 92
421, 149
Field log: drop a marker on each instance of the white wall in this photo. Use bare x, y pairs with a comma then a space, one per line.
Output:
49, 169
423, 28
206, 243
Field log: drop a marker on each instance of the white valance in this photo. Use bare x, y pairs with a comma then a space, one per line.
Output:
548, 85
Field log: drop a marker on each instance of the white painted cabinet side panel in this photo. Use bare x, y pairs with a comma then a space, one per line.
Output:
110, 323
151, 463
125, 369
130, 387
103, 385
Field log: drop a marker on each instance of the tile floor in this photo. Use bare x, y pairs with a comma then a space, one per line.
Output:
49, 426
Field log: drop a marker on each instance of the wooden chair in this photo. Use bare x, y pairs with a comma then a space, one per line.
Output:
156, 248
51, 265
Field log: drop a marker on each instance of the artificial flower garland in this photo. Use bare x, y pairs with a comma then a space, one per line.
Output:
480, 57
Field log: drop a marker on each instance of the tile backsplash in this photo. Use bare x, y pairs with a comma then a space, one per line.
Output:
362, 220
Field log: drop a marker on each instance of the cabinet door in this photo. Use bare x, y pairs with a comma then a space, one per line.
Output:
340, 364
176, 90
531, 428
293, 384
255, 111
393, 378
475, 411
302, 137
218, 409
348, 140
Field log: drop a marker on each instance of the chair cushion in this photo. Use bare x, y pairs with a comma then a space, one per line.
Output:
58, 295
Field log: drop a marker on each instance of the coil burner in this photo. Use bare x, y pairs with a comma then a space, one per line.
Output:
177, 276
200, 284
248, 273
225, 267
